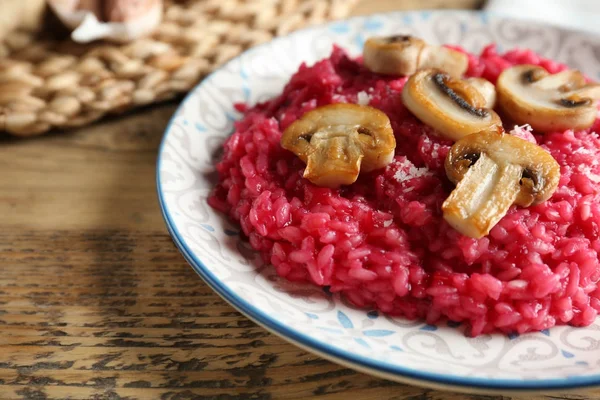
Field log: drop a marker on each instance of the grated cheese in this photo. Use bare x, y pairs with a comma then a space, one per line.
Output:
594, 177
587, 171
526, 127
524, 132
363, 98
434, 152
406, 170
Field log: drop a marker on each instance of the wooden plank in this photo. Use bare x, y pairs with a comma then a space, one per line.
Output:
96, 302
145, 337
374, 6
102, 176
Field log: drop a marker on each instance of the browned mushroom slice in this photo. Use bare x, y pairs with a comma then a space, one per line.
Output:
493, 171
337, 141
530, 95
405, 55
452, 106
486, 89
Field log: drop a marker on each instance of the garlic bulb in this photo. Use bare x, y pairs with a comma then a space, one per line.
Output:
116, 20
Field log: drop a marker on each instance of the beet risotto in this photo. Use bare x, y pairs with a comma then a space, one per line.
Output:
387, 238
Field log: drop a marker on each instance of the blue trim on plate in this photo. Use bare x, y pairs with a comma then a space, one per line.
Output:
309, 342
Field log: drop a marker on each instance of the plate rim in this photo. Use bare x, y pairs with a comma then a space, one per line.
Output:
382, 369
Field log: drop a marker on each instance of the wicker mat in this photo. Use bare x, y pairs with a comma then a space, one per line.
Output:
46, 84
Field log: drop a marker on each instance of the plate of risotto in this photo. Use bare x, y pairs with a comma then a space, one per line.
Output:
413, 195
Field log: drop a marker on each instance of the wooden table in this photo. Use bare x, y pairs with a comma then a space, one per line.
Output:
96, 302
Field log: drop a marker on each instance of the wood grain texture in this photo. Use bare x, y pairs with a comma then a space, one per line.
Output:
115, 314
373, 6
96, 302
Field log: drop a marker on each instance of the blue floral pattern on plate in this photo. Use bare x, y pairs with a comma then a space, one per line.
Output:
392, 347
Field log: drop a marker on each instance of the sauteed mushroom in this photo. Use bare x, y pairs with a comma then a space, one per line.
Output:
529, 94
337, 141
492, 171
486, 89
452, 106
406, 54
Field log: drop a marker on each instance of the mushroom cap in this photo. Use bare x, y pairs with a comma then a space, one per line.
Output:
451, 61
340, 139
406, 54
530, 95
451, 106
541, 172
393, 55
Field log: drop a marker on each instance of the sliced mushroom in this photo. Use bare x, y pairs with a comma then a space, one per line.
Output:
452, 106
492, 171
405, 55
486, 89
530, 95
450, 61
337, 141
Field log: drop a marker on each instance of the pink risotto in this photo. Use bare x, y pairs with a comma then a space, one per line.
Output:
382, 242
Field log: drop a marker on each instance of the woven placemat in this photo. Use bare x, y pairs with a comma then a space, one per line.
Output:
46, 84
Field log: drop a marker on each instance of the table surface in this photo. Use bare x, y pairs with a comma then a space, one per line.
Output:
96, 302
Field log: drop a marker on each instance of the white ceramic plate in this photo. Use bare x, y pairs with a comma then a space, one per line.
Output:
397, 349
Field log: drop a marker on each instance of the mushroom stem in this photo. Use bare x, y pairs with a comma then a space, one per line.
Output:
337, 148
453, 62
482, 197
486, 89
